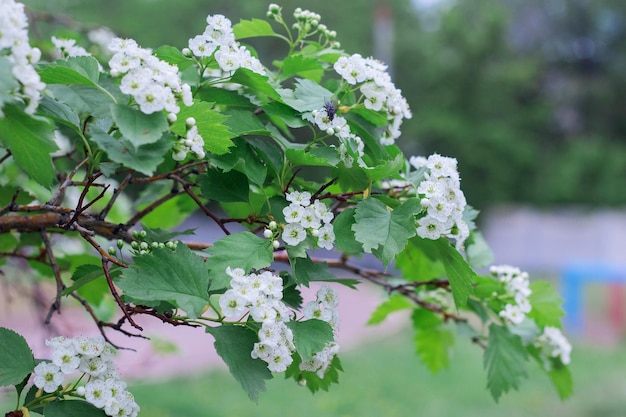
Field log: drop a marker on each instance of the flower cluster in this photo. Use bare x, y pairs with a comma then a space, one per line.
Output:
441, 199
555, 344
14, 36
516, 284
378, 91
260, 295
68, 48
193, 142
218, 40
323, 308
154, 84
307, 23
351, 146
303, 217
93, 357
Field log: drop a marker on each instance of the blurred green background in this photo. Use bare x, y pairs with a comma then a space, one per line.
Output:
526, 94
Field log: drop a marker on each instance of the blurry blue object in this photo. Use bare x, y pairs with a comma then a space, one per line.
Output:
574, 277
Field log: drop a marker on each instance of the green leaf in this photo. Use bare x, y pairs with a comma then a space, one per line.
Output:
561, 378
224, 187
178, 277
432, 342
211, 126
459, 272
137, 127
16, 358
505, 361
344, 235
75, 70
388, 169
243, 122
321, 157
394, 303
256, 82
309, 68
59, 112
30, 140
144, 159
8, 82
305, 270
252, 29
234, 345
479, 254
546, 304
310, 379
244, 159
310, 336
307, 96
418, 261
84, 274
383, 231
173, 56
240, 250
84, 100
72, 408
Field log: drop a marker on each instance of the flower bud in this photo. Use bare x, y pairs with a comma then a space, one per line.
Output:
267, 233
272, 225
143, 246
275, 244
112, 251
80, 391
190, 121
171, 117
134, 244
120, 243
186, 51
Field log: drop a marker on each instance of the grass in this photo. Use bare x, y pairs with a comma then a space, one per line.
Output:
386, 379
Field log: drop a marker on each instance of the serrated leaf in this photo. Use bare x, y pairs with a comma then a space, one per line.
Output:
310, 336
234, 345
137, 127
225, 187
74, 70
459, 272
72, 408
144, 159
307, 67
388, 169
344, 235
240, 250
394, 303
244, 159
479, 254
383, 231
305, 270
84, 100
30, 140
432, 341
252, 29
257, 82
504, 360
243, 122
321, 157
60, 112
211, 126
173, 56
84, 274
307, 96
546, 304
178, 277
418, 262
16, 358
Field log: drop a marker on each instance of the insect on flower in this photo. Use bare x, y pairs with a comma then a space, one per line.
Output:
331, 109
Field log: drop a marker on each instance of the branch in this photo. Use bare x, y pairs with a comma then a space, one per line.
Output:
56, 305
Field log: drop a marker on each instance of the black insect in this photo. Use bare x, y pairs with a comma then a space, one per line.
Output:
330, 108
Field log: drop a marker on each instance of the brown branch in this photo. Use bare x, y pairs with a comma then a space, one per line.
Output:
116, 296
6, 156
11, 204
56, 305
293, 177
139, 215
57, 197
116, 193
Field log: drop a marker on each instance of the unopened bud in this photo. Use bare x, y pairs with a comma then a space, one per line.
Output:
112, 251
120, 243
272, 225
190, 121
275, 244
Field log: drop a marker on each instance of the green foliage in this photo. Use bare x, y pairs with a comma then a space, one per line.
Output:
310, 336
546, 302
432, 340
394, 303
178, 277
505, 360
69, 408
16, 358
234, 344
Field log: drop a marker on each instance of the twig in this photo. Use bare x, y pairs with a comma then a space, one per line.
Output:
116, 193
139, 215
56, 306
116, 296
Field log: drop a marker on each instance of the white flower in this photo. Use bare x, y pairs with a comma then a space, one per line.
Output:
48, 376
97, 393
326, 237
94, 366
327, 296
293, 213
302, 198
429, 228
66, 359
89, 346
232, 304
293, 233
513, 313
555, 342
